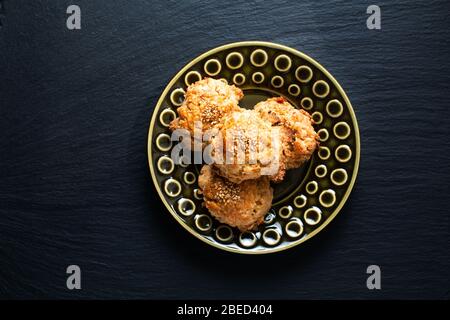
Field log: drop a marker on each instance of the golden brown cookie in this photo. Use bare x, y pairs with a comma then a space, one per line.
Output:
247, 147
206, 102
299, 139
241, 205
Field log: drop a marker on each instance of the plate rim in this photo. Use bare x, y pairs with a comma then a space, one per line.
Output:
271, 45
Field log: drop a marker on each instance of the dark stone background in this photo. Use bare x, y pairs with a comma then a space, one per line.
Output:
74, 182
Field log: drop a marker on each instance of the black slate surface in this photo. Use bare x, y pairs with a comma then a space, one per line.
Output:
74, 182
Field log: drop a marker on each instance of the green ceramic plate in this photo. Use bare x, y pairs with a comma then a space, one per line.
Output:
311, 196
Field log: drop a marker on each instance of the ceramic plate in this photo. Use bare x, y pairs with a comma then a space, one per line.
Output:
311, 196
